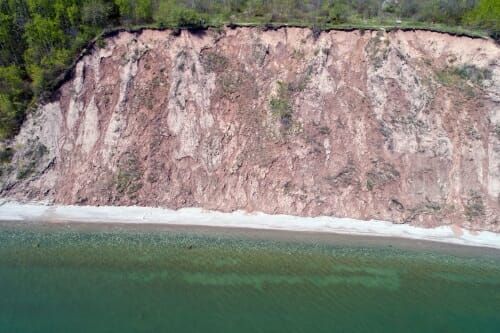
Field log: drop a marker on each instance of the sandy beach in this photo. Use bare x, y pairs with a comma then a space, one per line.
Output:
39, 212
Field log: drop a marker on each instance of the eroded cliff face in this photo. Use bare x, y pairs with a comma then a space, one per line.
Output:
399, 126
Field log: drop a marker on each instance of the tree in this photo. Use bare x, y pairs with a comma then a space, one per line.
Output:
125, 10
170, 14
163, 14
14, 94
42, 36
486, 15
95, 12
143, 11
48, 51
338, 11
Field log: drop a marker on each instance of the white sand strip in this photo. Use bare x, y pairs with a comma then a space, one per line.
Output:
37, 212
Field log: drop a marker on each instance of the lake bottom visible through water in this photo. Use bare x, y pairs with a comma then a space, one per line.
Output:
111, 278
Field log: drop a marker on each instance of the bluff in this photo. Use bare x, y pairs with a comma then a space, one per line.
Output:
401, 126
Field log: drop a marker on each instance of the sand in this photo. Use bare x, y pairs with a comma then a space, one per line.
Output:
39, 212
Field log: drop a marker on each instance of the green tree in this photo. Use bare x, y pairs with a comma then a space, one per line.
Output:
47, 53
164, 13
125, 10
170, 14
14, 94
95, 12
337, 11
42, 36
486, 15
143, 11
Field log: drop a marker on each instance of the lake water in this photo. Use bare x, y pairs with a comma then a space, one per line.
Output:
80, 278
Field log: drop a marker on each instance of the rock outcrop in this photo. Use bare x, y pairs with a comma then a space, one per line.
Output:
398, 126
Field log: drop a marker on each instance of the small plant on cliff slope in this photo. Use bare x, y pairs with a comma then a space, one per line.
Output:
297, 54
6, 154
229, 82
127, 181
474, 206
280, 105
260, 51
381, 175
30, 160
214, 62
454, 76
377, 51
325, 130
464, 78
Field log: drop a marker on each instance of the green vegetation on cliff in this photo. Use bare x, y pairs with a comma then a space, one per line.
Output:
39, 39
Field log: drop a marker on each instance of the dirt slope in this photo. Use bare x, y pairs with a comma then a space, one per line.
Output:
399, 126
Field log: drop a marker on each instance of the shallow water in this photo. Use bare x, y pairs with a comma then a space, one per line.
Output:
77, 278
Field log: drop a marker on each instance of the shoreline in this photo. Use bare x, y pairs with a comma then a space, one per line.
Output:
11, 211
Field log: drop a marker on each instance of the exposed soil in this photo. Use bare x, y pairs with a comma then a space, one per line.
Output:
401, 126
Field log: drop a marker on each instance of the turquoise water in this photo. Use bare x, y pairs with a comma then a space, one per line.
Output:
61, 278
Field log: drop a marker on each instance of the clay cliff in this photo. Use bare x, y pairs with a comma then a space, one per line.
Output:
398, 126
